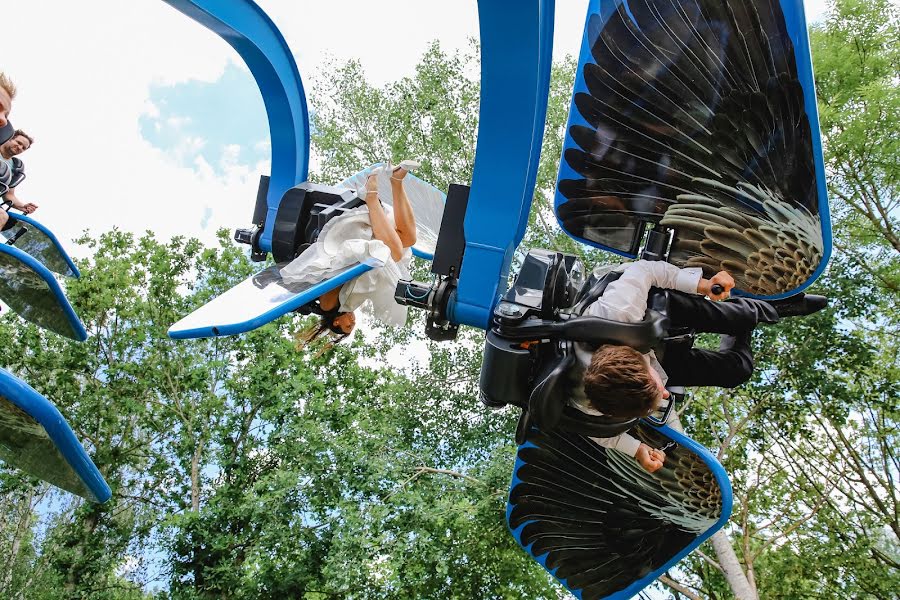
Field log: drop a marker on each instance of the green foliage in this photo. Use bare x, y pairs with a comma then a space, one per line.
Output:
857, 59
248, 468
431, 117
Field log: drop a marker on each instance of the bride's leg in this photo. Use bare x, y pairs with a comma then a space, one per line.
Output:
381, 226
404, 219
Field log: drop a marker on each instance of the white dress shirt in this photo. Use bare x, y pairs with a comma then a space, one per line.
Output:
625, 300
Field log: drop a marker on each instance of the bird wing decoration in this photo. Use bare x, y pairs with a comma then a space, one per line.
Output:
35, 438
32, 291
699, 115
603, 526
34, 239
426, 200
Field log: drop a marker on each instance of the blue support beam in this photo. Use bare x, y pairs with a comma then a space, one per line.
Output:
252, 33
516, 56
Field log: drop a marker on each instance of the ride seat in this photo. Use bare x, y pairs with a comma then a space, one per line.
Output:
529, 352
303, 212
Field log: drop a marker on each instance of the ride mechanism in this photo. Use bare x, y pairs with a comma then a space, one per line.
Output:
693, 138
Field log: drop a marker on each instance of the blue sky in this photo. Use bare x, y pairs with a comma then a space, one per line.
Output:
223, 121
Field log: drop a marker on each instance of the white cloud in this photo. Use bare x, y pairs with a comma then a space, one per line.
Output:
187, 147
151, 110
178, 122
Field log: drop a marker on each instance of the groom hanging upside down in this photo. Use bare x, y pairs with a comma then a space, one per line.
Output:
621, 382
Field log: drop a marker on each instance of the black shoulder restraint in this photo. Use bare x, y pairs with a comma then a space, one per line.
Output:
314, 308
6, 174
548, 404
7, 132
18, 172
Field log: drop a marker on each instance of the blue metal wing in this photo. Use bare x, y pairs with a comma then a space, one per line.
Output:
700, 115
603, 526
265, 297
35, 438
36, 240
32, 291
254, 302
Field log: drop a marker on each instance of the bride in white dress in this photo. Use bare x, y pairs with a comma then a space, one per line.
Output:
374, 234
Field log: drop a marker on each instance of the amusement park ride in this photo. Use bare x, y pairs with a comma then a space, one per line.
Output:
693, 137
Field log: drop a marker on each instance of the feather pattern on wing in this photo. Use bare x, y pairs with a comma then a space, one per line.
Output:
600, 521
696, 119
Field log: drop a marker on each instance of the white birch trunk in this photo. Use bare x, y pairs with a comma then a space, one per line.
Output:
731, 566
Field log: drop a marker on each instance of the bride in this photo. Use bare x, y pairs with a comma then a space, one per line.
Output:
375, 234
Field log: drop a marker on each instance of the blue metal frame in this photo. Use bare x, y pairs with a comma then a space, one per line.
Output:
50, 280
272, 314
727, 501
53, 238
250, 31
44, 412
795, 21
516, 56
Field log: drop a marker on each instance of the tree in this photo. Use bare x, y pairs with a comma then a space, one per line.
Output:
857, 58
811, 443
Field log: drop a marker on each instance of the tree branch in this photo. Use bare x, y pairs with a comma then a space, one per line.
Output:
678, 587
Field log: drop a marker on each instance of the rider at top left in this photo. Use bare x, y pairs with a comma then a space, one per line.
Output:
12, 143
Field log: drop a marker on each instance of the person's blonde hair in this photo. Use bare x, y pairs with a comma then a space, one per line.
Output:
7, 84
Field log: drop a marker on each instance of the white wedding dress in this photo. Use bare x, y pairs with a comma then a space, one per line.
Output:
343, 242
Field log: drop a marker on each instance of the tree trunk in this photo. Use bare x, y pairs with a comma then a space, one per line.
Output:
74, 576
195, 475
22, 528
198, 561
734, 574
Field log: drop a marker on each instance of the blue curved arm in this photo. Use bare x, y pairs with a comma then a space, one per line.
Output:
516, 55
252, 33
795, 19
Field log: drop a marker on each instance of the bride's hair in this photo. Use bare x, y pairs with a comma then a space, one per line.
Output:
321, 328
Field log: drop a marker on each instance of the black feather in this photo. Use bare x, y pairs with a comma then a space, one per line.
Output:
682, 93
601, 522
